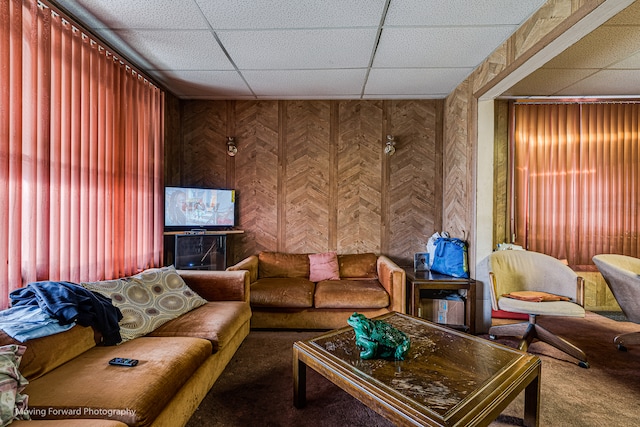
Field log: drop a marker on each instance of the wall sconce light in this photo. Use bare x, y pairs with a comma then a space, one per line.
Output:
232, 148
389, 148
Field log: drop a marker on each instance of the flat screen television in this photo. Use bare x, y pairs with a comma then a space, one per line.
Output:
187, 208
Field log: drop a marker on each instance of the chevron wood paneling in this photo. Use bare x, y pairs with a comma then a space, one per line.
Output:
551, 15
415, 180
311, 175
173, 140
457, 151
306, 176
359, 176
204, 137
256, 132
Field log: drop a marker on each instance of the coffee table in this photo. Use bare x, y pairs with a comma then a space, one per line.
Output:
448, 378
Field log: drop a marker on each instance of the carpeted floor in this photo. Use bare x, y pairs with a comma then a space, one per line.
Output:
256, 387
615, 315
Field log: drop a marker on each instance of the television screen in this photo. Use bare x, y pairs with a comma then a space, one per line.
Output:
187, 207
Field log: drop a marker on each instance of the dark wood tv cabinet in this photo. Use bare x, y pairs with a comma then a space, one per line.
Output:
206, 250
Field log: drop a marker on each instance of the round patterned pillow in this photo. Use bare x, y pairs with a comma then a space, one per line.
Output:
148, 300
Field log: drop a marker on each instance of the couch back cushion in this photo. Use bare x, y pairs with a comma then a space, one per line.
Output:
47, 353
278, 264
358, 266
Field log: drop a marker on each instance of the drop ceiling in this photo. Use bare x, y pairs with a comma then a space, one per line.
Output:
303, 49
348, 49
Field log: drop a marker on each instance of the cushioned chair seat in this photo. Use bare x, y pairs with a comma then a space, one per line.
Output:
548, 308
282, 293
215, 321
137, 394
356, 294
533, 273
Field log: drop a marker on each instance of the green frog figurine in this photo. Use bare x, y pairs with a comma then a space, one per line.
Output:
378, 339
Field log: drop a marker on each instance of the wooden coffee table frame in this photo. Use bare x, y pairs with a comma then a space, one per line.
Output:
480, 408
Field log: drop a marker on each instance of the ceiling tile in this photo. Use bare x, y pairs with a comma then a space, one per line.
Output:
416, 81
299, 49
177, 50
460, 12
306, 83
606, 83
138, 14
547, 82
632, 61
224, 84
629, 16
438, 47
276, 14
599, 49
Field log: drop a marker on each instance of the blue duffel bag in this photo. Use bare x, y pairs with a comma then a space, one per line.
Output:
450, 257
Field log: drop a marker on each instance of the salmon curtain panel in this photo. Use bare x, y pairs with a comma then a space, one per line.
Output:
80, 155
576, 179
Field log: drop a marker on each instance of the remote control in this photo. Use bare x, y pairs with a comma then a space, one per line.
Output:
121, 361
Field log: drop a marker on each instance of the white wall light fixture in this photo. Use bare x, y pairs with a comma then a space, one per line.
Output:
232, 148
390, 145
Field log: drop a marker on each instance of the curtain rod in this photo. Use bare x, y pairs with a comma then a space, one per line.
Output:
577, 101
68, 19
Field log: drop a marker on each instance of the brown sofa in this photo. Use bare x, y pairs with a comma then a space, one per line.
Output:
72, 384
282, 296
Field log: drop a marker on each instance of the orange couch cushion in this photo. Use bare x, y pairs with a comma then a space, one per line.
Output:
350, 294
88, 387
47, 353
216, 321
278, 264
282, 293
358, 266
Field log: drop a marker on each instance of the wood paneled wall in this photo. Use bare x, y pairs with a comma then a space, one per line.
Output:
311, 176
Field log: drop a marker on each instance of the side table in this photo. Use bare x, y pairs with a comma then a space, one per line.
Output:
427, 280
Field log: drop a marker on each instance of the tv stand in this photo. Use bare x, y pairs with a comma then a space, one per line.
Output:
202, 250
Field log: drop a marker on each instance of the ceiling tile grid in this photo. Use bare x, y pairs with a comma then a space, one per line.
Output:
329, 49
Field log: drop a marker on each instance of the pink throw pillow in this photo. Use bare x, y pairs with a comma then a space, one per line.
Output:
323, 266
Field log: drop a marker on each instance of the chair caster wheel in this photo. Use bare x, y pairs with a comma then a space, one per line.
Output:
492, 337
621, 347
584, 365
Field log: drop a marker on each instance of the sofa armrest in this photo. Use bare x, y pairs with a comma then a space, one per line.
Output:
393, 279
250, 264
218, 285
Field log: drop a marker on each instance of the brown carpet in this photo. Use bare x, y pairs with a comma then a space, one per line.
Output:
256, 387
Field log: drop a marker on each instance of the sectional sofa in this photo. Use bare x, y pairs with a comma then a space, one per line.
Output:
70, 381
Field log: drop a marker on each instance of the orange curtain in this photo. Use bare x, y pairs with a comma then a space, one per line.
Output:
80, 154
575, 176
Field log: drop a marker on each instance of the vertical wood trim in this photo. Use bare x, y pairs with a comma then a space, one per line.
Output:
438, 175
472, 177
282, 175
501, 231
385, 208
334, 132
230, 179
